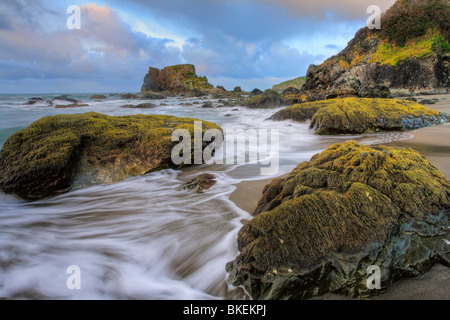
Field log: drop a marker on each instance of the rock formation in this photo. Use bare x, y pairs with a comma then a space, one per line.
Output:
362, 115
410, 54
175, 80
56, 154
331, 219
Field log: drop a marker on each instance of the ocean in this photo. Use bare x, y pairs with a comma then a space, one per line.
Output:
142, 238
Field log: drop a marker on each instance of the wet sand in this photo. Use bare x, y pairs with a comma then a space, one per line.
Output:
434, 144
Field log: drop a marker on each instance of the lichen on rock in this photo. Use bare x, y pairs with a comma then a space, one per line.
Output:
362, 115
350, 207
59, 153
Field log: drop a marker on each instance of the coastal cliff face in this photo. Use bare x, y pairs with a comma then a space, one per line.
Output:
175, 80
410, 54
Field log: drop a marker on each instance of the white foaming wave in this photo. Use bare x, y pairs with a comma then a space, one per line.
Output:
142, 238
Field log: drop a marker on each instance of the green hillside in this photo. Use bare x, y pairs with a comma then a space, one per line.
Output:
296, 83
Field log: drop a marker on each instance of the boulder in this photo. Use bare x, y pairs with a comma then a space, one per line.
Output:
98, 97
255, 92
140, 106
65, 152
332, 220
362, 115
152, 96
237, 90
268, 99
129, 96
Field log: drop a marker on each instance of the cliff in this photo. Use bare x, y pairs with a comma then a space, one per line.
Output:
410, 54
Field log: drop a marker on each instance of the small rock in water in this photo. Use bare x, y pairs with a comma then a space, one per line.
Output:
208, 104
98, 97
429, 101
200, 183
139, 106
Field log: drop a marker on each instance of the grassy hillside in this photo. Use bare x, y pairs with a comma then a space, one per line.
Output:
296, 83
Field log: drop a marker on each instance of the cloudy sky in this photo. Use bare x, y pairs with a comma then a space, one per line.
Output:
251, 43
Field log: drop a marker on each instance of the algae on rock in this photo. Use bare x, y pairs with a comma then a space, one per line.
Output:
57, 153
352, 206
362, 115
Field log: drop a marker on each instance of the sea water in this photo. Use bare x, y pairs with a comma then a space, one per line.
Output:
142, 238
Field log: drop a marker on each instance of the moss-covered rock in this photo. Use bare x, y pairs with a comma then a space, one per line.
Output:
176, 80
268, 99
352, 206
362, 115
56, 154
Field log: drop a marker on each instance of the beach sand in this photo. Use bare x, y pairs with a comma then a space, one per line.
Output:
434, 144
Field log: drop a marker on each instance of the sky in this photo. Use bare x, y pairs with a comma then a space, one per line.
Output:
247, 43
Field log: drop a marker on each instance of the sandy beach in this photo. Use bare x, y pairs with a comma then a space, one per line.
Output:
434, 144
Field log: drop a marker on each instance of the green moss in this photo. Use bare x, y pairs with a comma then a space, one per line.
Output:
360, 115
44, 158
422, 47
345, 200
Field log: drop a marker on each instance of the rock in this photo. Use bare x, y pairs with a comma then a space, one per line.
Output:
291, 95
176, 80
362, 115
64, 98
140, 106
319, 229
200, 183
72, 105
429, 101
152, 96
237, 89
56, 154
373, 57
268, 99
411, 99
129, 96
375, 92
33, 100
255, 92
221, 88
98, 97
207, 104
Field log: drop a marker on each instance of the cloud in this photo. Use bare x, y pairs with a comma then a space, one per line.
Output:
104, 47
222, 56
325, 9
